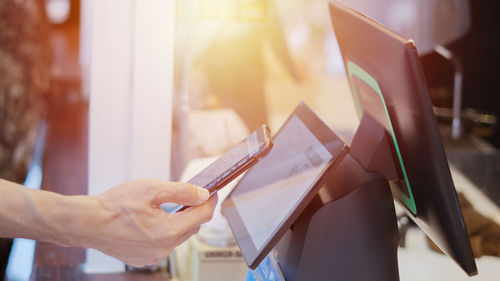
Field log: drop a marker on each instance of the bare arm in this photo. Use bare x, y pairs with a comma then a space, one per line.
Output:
125, 222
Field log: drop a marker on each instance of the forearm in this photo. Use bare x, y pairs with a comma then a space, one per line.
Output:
46, 216
125, 222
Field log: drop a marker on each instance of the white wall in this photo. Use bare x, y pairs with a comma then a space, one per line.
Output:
129, 48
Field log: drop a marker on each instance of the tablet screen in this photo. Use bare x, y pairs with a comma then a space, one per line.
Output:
296, 162
275, 191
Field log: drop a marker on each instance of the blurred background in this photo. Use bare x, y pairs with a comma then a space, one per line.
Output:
260, 58
114, 90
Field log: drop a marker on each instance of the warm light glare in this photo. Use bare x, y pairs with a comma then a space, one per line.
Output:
230, 10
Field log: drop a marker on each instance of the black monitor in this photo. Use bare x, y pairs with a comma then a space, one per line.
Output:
387, 83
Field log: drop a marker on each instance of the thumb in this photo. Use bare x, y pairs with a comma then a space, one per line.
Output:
180, 193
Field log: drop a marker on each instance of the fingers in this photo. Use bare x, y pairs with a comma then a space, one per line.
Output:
180, 193
194, 216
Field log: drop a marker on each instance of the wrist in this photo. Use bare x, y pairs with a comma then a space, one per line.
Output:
90, 219
80, 221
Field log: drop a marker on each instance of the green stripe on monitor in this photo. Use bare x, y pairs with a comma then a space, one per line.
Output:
354, 69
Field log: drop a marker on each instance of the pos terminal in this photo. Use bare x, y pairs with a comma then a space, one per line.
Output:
325, 211
312, 202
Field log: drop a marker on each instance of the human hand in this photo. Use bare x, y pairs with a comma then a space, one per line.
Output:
132, 227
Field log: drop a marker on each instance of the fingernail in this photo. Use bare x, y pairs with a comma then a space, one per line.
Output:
203, 194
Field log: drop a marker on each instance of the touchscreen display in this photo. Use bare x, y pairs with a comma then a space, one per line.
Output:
265, 197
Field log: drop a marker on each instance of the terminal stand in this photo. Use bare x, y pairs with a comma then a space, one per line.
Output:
349, 230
